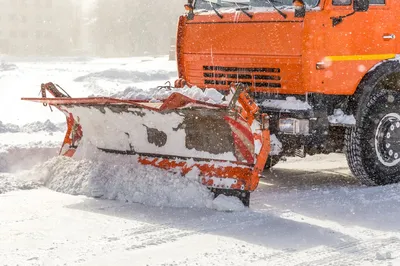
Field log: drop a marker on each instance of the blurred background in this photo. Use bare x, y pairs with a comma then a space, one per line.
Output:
106, 28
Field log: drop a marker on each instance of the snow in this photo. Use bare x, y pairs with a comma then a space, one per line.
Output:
157, 94
291, 103
121, 178
111, 211
7, 67
33, 127
298, 216
339, 117
125, 130
10, 183
25, 80
227, 203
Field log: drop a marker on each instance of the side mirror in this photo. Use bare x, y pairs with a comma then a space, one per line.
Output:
189, 8
299, 8
360, 5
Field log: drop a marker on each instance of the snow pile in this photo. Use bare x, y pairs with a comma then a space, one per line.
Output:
122, 178
208, 95
384, 256
339, 117
291, 103
225, 203
10, 183
33, 127
38, 126
120, 74
7, 67
8, 128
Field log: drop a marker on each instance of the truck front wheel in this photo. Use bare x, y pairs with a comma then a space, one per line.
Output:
272, 161
373, 145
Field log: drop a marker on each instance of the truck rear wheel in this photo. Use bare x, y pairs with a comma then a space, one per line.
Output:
373, 145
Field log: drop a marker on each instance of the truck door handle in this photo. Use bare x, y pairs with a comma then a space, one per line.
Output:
389, 36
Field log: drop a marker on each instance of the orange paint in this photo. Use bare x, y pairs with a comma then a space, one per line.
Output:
278, 55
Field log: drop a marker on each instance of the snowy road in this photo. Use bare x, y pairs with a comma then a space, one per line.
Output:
305, 212
298, 216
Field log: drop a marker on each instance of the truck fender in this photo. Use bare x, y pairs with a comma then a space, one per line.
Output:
385, 72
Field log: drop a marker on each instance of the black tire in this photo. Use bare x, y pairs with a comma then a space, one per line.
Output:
367, 151
272, 161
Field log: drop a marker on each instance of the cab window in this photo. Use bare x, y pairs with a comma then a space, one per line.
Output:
348, 2
341, 2
377, 2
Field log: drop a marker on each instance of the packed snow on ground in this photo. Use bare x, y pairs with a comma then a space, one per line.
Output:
57, 211
305, 212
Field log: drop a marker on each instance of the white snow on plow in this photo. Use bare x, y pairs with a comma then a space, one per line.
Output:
122, 131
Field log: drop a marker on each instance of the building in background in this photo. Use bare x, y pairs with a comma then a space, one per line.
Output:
133, 27
88, 27
40, 27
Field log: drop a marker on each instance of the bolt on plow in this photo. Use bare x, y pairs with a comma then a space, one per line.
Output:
228, 143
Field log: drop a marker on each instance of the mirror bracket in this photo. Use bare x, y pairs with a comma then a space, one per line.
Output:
337, 20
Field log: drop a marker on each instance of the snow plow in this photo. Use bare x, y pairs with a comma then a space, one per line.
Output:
227, 144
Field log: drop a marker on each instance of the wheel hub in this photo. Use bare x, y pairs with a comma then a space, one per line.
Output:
387, 140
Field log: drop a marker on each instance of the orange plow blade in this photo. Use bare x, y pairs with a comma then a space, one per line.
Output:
228, 144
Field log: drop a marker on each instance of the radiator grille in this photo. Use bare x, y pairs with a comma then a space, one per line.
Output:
253, 77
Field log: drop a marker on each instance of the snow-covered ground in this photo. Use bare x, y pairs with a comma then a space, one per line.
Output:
59, 211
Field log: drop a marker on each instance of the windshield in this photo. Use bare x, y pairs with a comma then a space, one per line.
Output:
203, 4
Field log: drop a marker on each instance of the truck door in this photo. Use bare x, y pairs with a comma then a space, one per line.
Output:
356, 44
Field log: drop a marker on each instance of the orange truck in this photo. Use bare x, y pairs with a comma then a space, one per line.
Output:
299, 78
325, 71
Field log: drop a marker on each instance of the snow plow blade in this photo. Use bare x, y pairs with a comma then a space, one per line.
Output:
228, 144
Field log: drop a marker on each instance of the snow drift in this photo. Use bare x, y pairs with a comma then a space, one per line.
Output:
36, 126
7, 67
10, 183
121, 178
